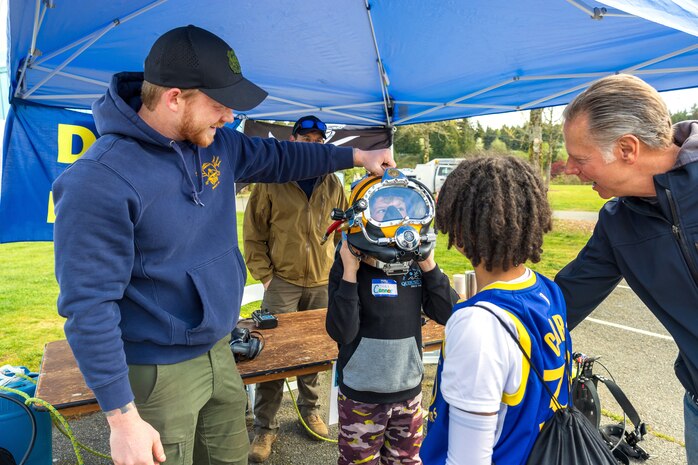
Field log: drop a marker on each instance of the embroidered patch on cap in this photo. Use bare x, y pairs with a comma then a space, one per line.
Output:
384, 288
233, 62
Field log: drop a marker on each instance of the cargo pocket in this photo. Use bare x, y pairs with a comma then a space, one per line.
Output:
384, 366
177, 449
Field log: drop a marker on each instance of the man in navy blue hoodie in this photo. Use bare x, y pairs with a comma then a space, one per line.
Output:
147, 255
619, 135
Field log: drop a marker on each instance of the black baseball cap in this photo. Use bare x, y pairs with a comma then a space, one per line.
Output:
194, 58
308, 124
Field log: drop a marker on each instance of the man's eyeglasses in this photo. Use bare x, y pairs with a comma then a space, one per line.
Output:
311, 124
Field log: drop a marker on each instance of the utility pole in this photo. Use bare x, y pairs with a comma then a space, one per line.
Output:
424, 144
536, 139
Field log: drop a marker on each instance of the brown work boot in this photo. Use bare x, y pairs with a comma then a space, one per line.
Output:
260, 449
316, 424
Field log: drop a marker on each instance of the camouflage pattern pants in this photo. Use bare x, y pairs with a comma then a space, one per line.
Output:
383, 434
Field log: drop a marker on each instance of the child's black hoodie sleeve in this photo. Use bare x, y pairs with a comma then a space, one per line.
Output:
342, 322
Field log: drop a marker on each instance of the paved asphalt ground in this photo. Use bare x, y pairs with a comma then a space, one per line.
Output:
635, 348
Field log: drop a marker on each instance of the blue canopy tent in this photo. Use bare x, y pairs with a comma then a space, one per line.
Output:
380, 63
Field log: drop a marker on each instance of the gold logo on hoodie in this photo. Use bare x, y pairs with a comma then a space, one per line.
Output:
211, 172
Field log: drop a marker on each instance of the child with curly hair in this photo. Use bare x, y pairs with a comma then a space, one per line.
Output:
488, 405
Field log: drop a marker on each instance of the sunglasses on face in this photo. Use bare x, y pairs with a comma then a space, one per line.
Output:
312, 124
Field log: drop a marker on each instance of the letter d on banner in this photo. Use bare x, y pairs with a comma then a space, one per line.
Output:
40, 143
65, 142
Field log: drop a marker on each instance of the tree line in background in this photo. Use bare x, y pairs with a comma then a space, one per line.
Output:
685, 115
539, 140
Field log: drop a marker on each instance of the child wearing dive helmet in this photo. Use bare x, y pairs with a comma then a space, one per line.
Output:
374, 314
495, 211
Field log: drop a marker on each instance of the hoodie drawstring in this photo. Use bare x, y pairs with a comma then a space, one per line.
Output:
195, 191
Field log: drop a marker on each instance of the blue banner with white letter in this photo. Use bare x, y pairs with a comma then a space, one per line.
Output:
40, 142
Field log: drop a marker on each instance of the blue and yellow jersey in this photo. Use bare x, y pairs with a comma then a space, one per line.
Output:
537, 308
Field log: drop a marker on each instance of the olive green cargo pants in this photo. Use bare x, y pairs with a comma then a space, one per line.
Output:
197, 406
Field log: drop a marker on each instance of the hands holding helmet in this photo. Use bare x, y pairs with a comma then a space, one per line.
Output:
351, 262
427, 263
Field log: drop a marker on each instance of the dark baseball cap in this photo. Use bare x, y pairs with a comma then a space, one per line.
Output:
308, 124
194, 58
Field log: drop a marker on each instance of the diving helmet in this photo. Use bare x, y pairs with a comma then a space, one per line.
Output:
389, 220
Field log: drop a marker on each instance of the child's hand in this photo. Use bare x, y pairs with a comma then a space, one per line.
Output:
428, 263
349, 261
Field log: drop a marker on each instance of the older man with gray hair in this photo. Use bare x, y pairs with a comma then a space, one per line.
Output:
619, 136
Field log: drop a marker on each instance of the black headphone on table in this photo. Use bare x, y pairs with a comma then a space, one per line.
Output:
245, 344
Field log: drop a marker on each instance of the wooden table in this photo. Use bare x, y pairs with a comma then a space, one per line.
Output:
298, 345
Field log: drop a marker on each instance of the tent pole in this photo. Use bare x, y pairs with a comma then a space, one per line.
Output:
355, 105
546, 77
584, 8
71, 58
293, 102
63, 49
527, 106
458, 105
88, 37
686, 69
631, 70
43, 15
458, 100
94, 37
272, 114
331, 109
323, 109
315, 108
30, 55
66, 96
660, 59
598, 13
383, 76
360, 118
72, 76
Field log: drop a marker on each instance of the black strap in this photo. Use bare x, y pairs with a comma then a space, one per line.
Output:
623, 401
523, 351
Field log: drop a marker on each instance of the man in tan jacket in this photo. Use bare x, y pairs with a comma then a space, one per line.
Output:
283, 228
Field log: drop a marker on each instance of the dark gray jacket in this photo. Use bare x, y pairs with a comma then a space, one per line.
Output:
654, 246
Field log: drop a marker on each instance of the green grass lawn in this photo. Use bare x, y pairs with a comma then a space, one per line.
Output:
28, 293
574, 197
28, 289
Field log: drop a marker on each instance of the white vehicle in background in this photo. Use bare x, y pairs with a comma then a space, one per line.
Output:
433, 173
